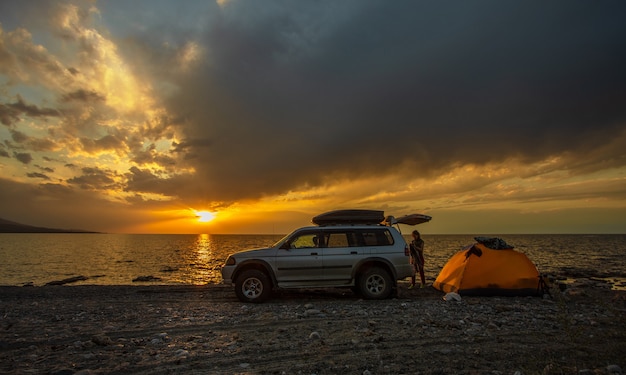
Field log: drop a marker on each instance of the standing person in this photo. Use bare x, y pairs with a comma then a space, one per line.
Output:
417, 258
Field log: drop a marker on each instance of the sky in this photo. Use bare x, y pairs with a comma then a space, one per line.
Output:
142, 116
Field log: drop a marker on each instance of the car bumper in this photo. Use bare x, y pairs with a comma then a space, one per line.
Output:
404, 271
227, 274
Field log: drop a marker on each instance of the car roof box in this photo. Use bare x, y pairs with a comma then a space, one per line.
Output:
346, 217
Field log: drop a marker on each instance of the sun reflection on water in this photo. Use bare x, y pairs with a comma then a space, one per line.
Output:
207, 263
118, 259
200, 264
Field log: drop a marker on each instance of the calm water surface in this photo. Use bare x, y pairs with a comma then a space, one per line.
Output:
117, 259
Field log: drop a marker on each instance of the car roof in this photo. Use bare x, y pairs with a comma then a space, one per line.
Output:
345, 226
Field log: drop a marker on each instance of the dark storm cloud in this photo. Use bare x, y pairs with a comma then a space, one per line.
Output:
33, 110
82, 95
144, 181
10, 112
8, 115
18, 136
45, 169
108, 142
95, 179
291, 96
151, 156
32, 143
23, 157
37, 175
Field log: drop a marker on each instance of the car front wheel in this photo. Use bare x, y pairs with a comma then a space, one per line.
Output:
375, 283
253, 286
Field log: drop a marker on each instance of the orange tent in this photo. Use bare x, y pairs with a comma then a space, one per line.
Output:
482, 270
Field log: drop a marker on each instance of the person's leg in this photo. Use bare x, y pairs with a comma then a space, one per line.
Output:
421, 268
422, 276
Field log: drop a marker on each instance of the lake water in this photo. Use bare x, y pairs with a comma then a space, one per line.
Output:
117, 259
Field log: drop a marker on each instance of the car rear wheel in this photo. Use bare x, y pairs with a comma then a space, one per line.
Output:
253, 286
375, 283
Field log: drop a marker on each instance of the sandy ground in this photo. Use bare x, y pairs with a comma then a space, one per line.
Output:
205, 330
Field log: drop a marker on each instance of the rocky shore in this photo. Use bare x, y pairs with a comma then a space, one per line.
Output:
204, 329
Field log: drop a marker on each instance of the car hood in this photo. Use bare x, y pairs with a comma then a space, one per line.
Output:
254, 253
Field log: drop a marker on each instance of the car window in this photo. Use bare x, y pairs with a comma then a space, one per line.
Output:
337, 239
377, 238
304, 240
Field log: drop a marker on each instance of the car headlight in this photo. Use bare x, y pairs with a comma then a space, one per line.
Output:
231, 261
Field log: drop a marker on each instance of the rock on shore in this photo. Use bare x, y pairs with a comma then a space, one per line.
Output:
204, 329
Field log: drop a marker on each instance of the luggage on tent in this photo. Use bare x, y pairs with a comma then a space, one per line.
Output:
489, 267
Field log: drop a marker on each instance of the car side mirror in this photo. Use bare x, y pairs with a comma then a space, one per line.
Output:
285, 246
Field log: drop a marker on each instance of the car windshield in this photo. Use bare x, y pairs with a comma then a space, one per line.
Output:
281, 240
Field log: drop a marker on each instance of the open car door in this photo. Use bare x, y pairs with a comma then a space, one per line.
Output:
412, 219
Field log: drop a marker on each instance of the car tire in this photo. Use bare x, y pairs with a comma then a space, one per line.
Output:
375, 283
253, 286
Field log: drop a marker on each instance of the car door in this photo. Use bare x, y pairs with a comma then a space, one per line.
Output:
376, 240
299, 261
341, 253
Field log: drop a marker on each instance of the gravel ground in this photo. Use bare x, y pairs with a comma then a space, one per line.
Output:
205, 330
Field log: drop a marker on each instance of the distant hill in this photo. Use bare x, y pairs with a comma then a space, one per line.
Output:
7, 226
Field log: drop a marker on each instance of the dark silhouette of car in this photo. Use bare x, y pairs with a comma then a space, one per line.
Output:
357, 249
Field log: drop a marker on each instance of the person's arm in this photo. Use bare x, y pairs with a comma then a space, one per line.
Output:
420, 246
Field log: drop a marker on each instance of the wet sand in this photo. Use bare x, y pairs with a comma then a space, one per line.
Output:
205, 330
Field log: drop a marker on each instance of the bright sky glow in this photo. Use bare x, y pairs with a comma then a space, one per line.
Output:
205, 216
119, 116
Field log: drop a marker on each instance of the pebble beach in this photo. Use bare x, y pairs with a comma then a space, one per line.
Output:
206, 330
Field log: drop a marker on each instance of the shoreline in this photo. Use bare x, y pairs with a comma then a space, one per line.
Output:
617, 283
161, 329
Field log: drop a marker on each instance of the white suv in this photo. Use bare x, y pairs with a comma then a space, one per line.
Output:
348, 248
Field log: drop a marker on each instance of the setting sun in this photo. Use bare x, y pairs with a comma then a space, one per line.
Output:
204, 216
